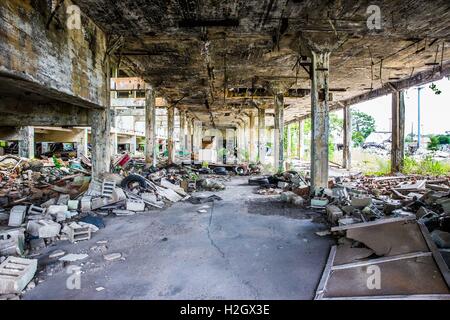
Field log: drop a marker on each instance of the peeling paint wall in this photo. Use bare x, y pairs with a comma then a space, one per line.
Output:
38, 47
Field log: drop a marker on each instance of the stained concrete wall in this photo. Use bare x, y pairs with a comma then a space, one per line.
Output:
41, 54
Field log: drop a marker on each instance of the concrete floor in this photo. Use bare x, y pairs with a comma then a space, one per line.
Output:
240, 249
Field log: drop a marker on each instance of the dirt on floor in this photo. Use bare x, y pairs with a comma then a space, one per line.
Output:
229, 249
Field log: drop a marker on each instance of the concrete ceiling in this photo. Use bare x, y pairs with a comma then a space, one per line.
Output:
220, 57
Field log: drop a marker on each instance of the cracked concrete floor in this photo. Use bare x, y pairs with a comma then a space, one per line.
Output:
234, 251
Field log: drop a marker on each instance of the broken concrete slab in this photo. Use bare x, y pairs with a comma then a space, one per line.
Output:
362, 202
17, 216
12, 241
16, 274
86, 204
118, 195
112, 256
135, 205
334, 214
178, 189
319, 203
56, 254
63, 200
73, 257
43, 228
57, 209
124, 213
73, 205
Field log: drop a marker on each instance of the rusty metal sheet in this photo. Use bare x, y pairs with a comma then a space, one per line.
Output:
401, 277
346, 254
391, 239
408, 264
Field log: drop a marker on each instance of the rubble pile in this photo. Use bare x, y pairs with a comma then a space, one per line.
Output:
46, 201
361, 199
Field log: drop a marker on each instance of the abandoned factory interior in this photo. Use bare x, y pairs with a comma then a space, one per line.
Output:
224, 150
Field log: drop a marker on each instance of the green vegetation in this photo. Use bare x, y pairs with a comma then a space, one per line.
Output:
363, 126
435, 89
383, 168
425, 167
436, 141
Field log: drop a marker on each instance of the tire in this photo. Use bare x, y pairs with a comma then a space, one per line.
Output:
133, 179
240, 171
220, 171
258, 182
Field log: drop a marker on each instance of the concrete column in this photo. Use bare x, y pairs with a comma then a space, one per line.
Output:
252, 148
170, 133
150, 128
114, 140
189, 138
100, 138
320, 120
278, 133
183, 131
262, 135
197, 139
26, 142
239, 141
82, 143
301, 139
398, 131
230, 138
133, 145
243, 142
289, 141
347, 156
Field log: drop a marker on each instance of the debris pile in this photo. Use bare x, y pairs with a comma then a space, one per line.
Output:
46, 201
360, 199
364, 199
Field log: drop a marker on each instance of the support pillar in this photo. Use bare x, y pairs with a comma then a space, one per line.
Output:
320, 120
197, 139
100, 137
398, 131
347, 156
278, 133
262, 135
239, 140
26, 142
150, 128
133, 145
189, 138
245, 142
289, 141
301, 139
114, 140
183, 132
170, 133
230, 138
252, 137
82, 143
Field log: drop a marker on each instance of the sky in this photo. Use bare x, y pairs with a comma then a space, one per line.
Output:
435, 109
